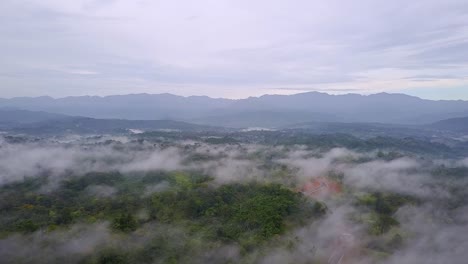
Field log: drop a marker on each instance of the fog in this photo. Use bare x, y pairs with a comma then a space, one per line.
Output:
432, 231
65, 246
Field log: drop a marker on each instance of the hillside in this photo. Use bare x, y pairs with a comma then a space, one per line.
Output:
11, 115
41, 123
459, 125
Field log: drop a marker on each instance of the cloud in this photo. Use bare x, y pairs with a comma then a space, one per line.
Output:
27, 160
217, 47
56, 246
400, 176
316, 166
433, 240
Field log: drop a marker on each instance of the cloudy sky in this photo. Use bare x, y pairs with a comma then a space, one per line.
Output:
235, 48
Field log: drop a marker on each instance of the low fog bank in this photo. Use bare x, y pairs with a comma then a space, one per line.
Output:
66, 246
63, 159
435, 236
431, 224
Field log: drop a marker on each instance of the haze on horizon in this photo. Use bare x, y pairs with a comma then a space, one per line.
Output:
233, 49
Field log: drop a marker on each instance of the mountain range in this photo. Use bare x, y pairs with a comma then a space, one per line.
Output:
272, 111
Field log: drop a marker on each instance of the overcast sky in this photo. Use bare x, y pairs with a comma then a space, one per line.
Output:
233, 49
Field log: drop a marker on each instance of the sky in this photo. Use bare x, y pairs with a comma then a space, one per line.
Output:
233, 49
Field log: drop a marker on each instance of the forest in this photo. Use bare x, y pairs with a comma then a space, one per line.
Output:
155, 198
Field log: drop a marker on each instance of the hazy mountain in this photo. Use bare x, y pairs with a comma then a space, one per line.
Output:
34, 122
134, 106
381, 108
459, 125
267, 110
10, 115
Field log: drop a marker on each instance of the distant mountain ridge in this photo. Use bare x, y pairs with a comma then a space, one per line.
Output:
264, 111
43, 123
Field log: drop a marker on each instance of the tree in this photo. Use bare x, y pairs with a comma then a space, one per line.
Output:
125, 222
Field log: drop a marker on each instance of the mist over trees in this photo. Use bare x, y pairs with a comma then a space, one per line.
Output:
155, 198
